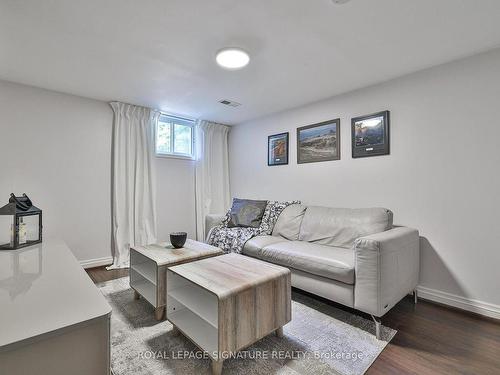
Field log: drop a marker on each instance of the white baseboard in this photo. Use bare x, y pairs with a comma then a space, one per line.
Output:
479, 307
98, 262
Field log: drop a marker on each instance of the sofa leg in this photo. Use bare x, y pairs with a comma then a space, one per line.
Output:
415, 296
378, 324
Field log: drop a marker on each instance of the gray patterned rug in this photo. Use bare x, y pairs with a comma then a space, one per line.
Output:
320, 339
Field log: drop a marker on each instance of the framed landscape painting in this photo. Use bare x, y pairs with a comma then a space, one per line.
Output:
370, 135
277, 149
318, 142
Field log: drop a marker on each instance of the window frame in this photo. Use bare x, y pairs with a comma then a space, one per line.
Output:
180, 121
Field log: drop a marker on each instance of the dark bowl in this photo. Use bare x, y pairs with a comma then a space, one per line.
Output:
178, 239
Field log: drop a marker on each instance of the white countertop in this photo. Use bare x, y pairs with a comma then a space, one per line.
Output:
43, 288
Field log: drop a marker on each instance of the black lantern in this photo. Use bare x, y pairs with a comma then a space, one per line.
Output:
22, 223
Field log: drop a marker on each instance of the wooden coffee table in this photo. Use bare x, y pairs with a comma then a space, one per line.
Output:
227, 303
148, 267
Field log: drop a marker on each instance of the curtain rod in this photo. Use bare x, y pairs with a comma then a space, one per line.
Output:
177, 117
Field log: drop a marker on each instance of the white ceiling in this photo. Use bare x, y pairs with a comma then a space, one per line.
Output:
161, 53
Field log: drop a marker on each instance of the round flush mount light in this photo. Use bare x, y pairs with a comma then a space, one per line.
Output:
232, 58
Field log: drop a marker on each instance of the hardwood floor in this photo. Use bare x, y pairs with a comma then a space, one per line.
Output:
100, 274
436, 339
431, 339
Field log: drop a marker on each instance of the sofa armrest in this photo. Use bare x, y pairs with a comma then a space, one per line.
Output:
211, 221
387, 267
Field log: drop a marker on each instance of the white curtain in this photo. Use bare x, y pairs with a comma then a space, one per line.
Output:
212, 172
133, 180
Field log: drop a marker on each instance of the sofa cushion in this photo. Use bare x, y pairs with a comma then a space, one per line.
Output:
289, 221
342, 226
331, 262
254, 245
246, 213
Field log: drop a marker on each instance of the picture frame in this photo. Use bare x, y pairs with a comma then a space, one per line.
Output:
277, 149
370, 135
318, 142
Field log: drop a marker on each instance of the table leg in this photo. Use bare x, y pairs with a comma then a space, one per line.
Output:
159, 311
217, 366
279, 332
175, 330
136, 295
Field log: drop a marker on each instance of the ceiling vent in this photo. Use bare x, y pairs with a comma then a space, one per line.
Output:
229, 103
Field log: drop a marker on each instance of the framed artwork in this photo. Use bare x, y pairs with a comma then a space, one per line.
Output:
318, 142
277, 149
370, 135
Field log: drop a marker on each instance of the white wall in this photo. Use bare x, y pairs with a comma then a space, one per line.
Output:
441, 177
57, 149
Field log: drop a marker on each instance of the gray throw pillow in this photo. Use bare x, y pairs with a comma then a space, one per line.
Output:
246, 213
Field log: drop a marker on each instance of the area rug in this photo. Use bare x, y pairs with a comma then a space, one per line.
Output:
320, 339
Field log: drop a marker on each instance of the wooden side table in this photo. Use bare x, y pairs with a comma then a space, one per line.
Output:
227, 303
148, 267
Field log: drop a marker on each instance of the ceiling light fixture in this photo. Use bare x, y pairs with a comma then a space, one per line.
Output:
232, 58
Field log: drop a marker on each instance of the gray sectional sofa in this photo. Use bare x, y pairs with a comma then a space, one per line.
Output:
355, 257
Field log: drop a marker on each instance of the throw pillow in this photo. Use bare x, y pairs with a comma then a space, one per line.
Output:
246, 213
272, 213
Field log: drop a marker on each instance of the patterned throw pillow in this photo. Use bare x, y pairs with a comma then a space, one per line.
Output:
246, 213
273, 211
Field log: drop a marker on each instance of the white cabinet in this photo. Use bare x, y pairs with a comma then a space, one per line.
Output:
53, 319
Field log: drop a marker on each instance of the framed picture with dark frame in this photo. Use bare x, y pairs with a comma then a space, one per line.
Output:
370, 135
277, 149
318, 142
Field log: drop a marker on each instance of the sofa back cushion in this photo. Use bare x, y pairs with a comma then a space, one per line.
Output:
342, 226
289, 221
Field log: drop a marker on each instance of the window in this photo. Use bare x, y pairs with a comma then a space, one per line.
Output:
174, 137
